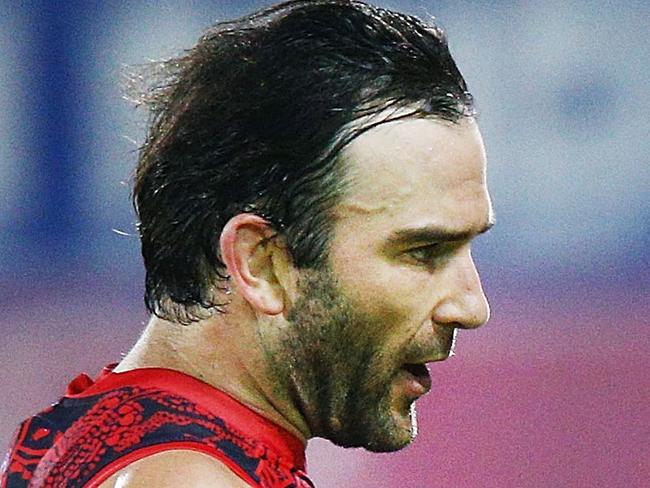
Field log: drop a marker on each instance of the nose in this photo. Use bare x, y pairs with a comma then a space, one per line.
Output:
464, 304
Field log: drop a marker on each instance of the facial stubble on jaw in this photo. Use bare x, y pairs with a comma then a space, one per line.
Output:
333, 372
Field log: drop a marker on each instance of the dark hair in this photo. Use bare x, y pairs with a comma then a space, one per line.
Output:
252, 119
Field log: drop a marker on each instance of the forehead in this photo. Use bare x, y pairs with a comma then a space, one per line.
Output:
416, 172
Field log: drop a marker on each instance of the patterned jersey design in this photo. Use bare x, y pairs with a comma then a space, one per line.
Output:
67, 444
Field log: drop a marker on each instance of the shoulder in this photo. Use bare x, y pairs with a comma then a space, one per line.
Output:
170, 469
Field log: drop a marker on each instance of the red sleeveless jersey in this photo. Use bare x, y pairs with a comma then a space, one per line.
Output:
100, 427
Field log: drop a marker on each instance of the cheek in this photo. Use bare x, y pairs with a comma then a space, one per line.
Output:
390, 292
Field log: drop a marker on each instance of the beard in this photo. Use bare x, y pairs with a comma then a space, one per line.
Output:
336, 372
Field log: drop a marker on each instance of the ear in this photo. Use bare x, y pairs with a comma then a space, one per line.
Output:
256, 263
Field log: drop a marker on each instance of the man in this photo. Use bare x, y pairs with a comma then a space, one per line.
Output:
307, 194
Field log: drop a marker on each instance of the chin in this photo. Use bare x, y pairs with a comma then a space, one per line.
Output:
397, 434
387, 431
390, 445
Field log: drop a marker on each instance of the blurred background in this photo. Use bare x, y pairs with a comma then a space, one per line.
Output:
554, 391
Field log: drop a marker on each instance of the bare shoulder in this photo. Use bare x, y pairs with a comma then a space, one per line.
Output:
176, 468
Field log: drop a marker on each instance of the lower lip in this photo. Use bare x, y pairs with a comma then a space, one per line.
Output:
419, 380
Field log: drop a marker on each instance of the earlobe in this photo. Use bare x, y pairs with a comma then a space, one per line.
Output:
247, 251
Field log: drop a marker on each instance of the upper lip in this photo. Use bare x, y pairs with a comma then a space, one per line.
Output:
441, 356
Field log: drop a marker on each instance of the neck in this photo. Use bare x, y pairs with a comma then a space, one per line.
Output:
223, 354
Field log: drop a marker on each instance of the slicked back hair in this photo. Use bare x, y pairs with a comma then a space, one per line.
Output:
253, 118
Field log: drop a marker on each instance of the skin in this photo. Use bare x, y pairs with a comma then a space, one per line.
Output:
171, 469
418, 289
325, 352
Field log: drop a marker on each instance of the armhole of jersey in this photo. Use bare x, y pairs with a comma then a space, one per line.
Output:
123, 461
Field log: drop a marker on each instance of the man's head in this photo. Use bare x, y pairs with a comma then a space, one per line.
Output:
399, 282
254, 118
320, 160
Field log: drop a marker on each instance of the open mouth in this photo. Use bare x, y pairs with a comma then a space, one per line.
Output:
420, 373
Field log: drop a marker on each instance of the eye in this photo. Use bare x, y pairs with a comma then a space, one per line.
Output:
425, 254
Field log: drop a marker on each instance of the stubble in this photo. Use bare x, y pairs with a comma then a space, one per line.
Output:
336, 372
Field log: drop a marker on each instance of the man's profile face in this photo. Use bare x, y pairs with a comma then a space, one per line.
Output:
400, 279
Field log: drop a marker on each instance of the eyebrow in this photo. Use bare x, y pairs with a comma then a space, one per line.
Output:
432, 233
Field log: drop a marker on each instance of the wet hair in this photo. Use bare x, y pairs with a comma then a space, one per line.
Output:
253, 118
